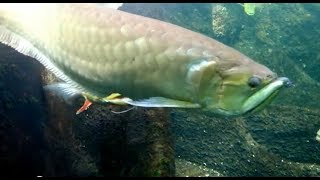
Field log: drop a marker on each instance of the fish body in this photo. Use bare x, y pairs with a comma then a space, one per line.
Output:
100, 51
249, 8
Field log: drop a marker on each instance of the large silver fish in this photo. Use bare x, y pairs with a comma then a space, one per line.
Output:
116, 57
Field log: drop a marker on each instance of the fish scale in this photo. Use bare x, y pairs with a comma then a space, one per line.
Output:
117, 40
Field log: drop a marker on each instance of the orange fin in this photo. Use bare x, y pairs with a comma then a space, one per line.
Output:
84, 107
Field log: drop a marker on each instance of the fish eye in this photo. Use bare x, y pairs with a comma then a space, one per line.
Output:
254, 81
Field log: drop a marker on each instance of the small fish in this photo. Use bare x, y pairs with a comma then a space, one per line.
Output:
111, 56
318, 136
249, 8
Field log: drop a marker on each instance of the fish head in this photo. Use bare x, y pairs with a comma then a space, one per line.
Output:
242, 85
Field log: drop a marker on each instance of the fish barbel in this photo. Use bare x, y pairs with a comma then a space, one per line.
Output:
138, 60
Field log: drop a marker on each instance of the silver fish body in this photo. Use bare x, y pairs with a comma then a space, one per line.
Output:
104, 51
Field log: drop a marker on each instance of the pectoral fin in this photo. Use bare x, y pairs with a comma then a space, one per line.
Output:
159, 102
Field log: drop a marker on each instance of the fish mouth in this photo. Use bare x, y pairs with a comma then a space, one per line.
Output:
265, 95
